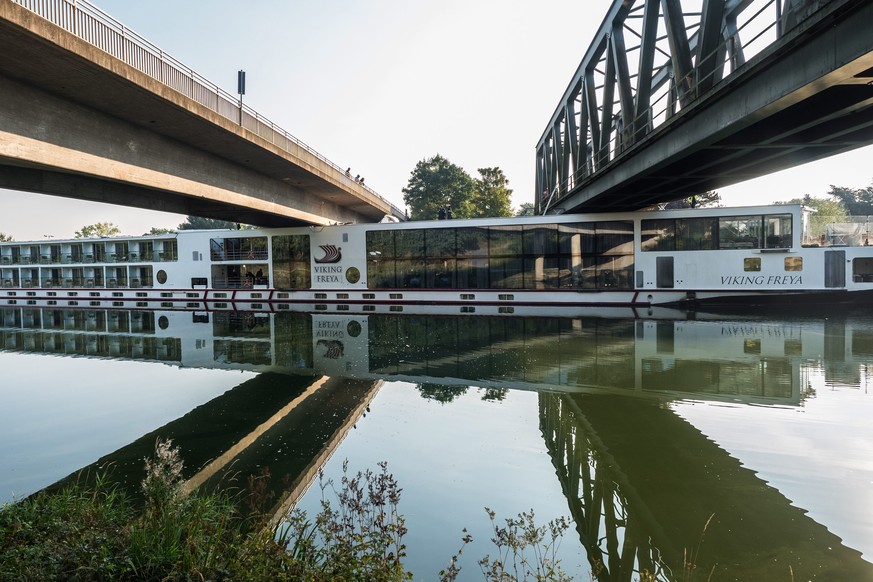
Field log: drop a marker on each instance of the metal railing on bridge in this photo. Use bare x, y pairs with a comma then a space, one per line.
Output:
94, 26
680, 52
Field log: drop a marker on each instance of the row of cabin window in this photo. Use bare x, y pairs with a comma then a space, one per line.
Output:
727, 232
602, 272
591, 238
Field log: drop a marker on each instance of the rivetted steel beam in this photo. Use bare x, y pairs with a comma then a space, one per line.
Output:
642, 114
680, 51
712, 23
622, 78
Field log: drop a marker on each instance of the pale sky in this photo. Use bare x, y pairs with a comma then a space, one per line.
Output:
379, 85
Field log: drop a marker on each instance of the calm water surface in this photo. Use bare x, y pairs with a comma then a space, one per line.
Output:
745, 440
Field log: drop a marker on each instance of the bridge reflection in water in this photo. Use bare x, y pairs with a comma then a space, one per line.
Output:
641, 483
675, 500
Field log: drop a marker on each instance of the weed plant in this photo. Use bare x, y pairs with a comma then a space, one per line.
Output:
96, 533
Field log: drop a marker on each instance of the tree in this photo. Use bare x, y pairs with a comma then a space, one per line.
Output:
858, 201
526, 209
706, 199
436, 184
201, 223
491, 196
825, 211
155, 230
6, 237
97, 230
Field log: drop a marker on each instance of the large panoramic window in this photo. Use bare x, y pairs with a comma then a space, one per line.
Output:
726, 232
291, 262
586, 255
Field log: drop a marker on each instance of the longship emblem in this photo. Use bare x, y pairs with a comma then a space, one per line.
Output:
333, 349
332, 254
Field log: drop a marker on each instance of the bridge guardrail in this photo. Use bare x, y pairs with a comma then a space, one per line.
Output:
94, 26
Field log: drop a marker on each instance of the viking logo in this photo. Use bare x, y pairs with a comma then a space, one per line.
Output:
333, 349
332, 254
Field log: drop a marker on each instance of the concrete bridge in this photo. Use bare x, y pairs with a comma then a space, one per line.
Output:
674, 99
90, 110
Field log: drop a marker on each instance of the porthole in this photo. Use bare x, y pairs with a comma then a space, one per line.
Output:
353, 328
353, 275
161, 276
163, 322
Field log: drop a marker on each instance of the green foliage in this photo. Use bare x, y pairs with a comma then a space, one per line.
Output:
825, 211
856, 201
155, 230
526, 209
73, 533
361, 538
201, 223
97, 230
704, 200
6, 237
490, 197
525, 551
97, 534
441, 393
437, 183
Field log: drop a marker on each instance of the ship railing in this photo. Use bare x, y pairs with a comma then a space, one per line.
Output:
249, 255
239, 282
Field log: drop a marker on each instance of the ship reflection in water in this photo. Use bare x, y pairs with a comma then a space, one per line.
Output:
740, 439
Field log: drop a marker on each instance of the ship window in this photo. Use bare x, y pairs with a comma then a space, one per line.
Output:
659, 235
291, 262
793, 263
752, 264
778, 231
696, 234
161, 276
740, 232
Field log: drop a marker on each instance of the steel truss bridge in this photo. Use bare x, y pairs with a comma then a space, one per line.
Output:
677, 97
658, 508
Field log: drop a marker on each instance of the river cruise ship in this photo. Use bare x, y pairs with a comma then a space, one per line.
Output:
742, 256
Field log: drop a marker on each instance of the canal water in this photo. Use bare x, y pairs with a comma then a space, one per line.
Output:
739, 444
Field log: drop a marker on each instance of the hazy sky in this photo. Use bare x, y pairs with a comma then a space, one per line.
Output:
379, 85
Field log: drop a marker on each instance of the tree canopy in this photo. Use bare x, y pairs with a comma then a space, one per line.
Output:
201, 223
97, 230
490, 197
856, 201
825, 211
157, 230
436, 184
706, 199
526, 209
6, 237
